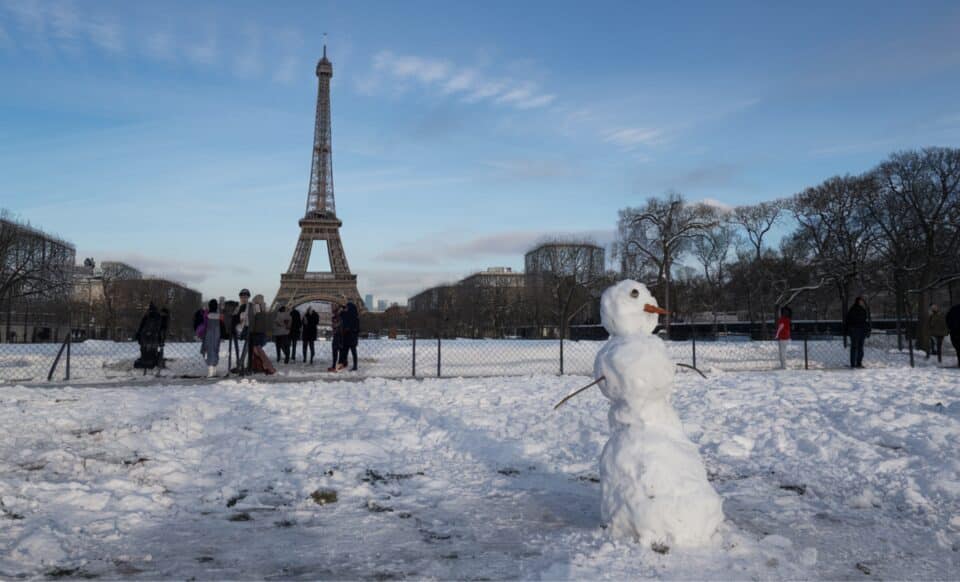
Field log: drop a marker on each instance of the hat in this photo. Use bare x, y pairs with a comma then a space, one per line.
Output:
245, 292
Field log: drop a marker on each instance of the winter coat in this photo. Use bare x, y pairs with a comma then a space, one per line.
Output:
296, 323
310, 322
858, 317
938, 324
242, 317
953, 319
281, 323
350, 323
211, 337
783, 328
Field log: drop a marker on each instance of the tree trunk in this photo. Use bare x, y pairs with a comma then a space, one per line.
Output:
923, 307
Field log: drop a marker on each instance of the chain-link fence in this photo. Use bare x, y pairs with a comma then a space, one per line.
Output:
109, 361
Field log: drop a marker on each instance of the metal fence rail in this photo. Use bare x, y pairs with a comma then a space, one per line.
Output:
108, 361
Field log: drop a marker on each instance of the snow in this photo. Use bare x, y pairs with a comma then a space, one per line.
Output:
654, 485
823, 475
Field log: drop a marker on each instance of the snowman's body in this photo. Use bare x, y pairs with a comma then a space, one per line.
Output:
655, 487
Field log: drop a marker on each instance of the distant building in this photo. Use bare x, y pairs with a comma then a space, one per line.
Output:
109, 300
381, 305
368, 302
36, 269
494, 277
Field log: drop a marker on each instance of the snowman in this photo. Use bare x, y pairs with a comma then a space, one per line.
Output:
655, 487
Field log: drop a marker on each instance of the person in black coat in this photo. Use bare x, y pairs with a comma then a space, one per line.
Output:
296, 324
350, 332
311, 319
953, 324
858, 325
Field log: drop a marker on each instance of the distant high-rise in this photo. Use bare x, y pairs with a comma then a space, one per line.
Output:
368, 300
382, 305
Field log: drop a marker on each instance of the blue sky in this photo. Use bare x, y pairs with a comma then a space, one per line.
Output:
177, 135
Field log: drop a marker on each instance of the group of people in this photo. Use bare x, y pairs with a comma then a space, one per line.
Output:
857, 328
251, 321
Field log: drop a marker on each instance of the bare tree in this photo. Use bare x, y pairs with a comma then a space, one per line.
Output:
923, 190
756, 221
712, 250
566, 274
835, 230
660, 232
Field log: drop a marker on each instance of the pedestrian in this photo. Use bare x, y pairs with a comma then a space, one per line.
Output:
260, 323
148, 336
241, 315
953, 324
212, 324
858, 327
281, 334
336, 335
242, 318
938, 329
350, 322
783, 334
296, 325
311, 319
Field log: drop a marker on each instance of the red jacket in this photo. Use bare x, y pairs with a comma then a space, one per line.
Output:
783, 328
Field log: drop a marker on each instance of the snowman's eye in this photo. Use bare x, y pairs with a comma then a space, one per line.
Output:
635, 293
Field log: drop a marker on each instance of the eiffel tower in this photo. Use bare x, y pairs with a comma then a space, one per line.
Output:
320, 222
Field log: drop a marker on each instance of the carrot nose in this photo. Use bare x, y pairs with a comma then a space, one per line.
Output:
654, 309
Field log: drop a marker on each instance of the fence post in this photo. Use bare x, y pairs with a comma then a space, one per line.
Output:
910, 346
438, 355
69, 343
561, 354
693, 336
806, 358
414, 373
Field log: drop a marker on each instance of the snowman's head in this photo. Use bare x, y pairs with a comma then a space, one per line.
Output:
628, 308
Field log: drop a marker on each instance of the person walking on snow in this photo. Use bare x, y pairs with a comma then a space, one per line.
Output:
783, 334
858, 325
281, 334
938, 329
212, 320
953, 324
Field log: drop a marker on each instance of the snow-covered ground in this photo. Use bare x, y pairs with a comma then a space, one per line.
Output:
823, 474
106, 361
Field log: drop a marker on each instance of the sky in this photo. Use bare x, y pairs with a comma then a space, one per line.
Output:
177, 136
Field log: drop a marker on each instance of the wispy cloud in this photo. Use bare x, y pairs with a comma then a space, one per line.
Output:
439, 248
60, 24
723, 207
184, 271
204, 52
447, 78
63, 27
629, 137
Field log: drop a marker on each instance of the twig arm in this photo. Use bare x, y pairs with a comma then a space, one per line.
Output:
572, 394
